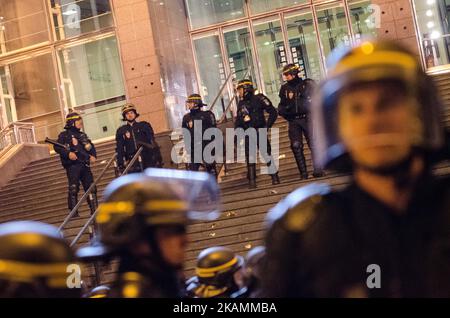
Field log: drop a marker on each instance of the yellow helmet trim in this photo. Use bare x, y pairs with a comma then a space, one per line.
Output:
25, 272
128, 208
73, 117
293, 68
210, 272
244, 83
368, 57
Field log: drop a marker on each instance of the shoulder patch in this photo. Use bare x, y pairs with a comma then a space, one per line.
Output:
264, 99
297, 210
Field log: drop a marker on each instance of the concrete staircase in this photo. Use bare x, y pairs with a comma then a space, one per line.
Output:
39, 192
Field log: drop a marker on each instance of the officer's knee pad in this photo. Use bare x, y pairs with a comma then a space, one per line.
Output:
297, 146
74, 188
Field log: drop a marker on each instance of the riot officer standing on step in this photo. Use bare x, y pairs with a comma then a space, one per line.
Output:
35, 262
215, 273
250, 115
205, 120
142, 223
133, 135
378, 118
295, 99
76, 158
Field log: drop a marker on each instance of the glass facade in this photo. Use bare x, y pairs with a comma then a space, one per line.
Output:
432, 17
76, 17
207, 12
260, 37
23, 23
42, 77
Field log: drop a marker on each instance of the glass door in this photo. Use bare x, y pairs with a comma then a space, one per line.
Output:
303, 44
210, 68
271, 54
239, 50
333, 28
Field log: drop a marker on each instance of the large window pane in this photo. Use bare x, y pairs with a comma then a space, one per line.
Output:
363, 19
208, 12
35, 88
92, 79
239, 49
434, 30
303, 44
30, 93
271, 53
333, 28
259, 6
22, 23
75, 17
211, 68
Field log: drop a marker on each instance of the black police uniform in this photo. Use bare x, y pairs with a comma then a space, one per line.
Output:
250, 114
342, 233
129, 138
207, 120
77, 170
295, 100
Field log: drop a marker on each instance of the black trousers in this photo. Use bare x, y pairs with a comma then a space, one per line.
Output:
195, 166
78, 173
251, 151
299, 128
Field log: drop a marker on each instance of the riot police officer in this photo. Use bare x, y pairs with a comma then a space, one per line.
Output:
215, 273
133, 135
386, 234
76, 158
204, 119
142, 222
295, 99
35, 262
251, 115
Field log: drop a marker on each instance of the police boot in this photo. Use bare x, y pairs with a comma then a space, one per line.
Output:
92, 201
251, 168
318, 173
275, 178
301, 164
73, 198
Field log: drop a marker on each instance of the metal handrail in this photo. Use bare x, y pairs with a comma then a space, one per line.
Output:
220, 92
14, 132
86, 194
235, 95
92, 218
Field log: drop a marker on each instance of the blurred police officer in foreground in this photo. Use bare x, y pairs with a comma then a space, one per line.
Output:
133, 135
295, 100
251, 114
142, 222
198, 119
215, 273
34, 262
76, 159
387, 234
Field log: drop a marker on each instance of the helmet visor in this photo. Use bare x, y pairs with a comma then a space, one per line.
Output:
199, 190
